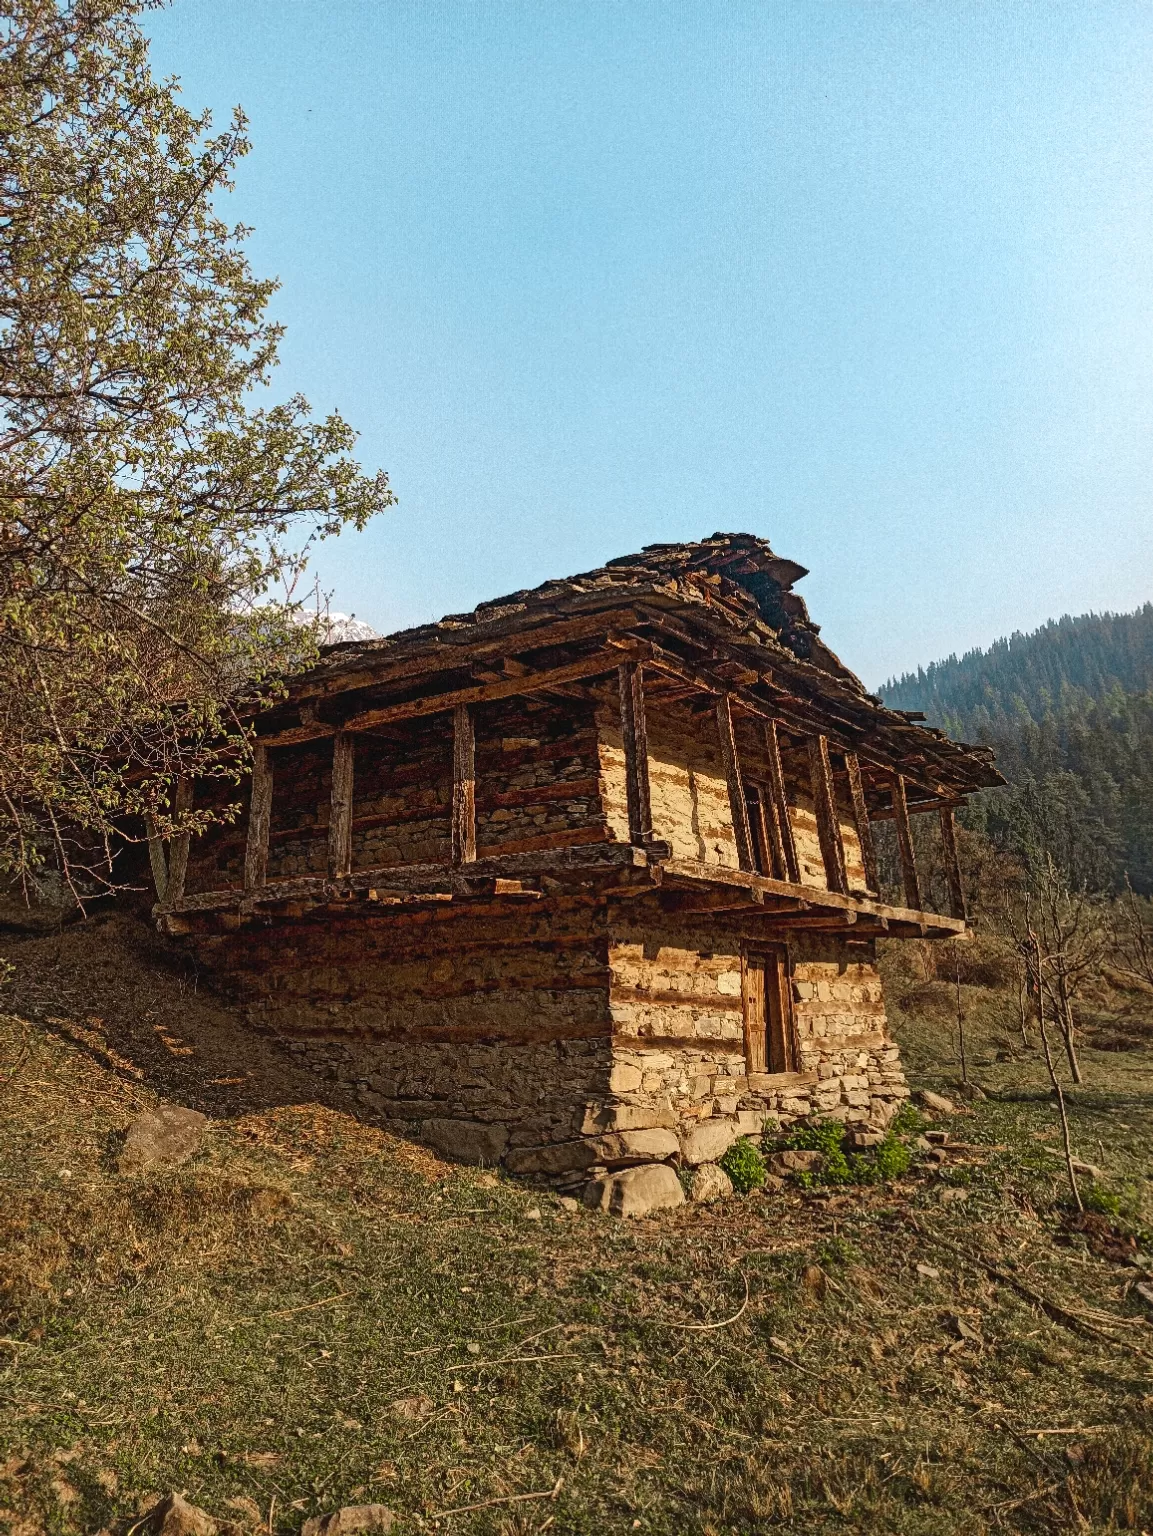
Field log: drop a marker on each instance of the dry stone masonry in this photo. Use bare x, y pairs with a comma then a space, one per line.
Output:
583, 883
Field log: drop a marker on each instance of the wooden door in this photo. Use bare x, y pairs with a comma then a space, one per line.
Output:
770, 1043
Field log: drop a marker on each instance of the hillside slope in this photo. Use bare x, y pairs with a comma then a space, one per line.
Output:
311, 1313
1028, 677
1069, 712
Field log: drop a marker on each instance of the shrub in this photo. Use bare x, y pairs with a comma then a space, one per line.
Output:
908, 1121
826, 1137
892, 1157
744, 1165
887, 1161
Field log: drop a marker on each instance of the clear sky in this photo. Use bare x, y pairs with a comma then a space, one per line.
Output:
871, 280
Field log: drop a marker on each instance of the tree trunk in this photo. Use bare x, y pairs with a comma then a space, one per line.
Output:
1066, 1024
1056, 1087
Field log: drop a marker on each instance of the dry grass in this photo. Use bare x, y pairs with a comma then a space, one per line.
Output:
311, 1313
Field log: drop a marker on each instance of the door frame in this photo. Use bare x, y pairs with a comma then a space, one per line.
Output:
767, 990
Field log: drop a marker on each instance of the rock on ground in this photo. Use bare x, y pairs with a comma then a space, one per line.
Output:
468, 1141
935, 1101
353, 1517
174, 1516
707, 1141
166, 1135
798, 1161
635, 1191
710, 1183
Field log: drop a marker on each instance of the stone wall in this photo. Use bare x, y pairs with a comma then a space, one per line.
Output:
689, 794
678, 1029
563, 1036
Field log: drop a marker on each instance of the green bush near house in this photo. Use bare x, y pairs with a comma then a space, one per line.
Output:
744, 1165
889, 1160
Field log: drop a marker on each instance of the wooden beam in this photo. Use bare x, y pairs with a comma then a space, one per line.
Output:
828, 821
450, 655
905, 844
742, 832
786, 866
861, 818
294, 735
529, 682
634, 737
340, 806
178, 848
952, 862
259, 820
463, 786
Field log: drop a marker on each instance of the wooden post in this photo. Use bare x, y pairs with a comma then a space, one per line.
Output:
635, 738
178, 848
828, 821
740, 811
861, 818
905, 844
259, 819
157, 858
952, 863
786, 865
340, 806
463, 786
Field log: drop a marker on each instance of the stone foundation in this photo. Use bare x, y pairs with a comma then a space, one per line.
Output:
569, 1039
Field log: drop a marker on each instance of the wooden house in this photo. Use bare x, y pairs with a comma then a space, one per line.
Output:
584, 878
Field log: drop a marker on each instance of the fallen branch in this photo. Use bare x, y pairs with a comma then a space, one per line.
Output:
308, 1305
512, 1498
1052, 1309
708, 1327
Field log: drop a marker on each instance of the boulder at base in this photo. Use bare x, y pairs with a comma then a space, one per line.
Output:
468, 1141
708, 1141
174, 1516
799, 1161
353, 1517
710, 1183
165, 1135
635, 1191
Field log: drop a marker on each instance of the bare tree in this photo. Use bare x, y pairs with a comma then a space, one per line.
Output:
1132, 935
1070, 939
1030, 950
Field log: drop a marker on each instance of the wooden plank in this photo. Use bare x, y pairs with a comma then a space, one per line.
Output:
634, 738
259, 820
178, 848
450, 655
463, 786
756, 1014
294, 735
861, 818
905, 843
529, 682
740, 812
828, 821
692, 871
782, 1035
340, 806
786, 866
952, 862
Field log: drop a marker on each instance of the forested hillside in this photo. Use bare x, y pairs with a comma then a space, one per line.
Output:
1069, 710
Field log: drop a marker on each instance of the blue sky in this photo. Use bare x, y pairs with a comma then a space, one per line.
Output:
874, 281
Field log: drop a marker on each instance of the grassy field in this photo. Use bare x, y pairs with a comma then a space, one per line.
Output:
313, 1313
